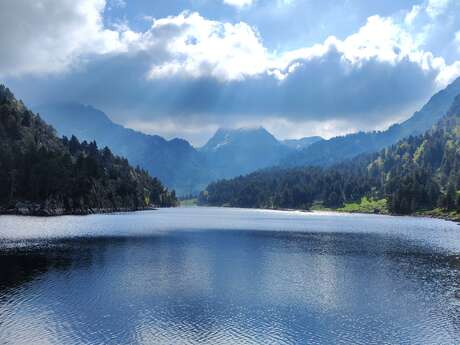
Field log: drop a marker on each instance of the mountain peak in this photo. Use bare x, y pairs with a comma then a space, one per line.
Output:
241, 137
242, 130
7, 97
75, 114
5, 93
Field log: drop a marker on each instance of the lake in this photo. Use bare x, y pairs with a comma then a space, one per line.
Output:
229, 276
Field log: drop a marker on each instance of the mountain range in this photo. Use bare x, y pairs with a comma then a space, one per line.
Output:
231, 152
182, 167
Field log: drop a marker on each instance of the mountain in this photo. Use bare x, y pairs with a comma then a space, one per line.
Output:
303, 143
232, 152
329, 152
417, 174
175, 162
43, 174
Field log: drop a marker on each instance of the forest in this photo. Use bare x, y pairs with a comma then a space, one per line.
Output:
46, 175
417, 174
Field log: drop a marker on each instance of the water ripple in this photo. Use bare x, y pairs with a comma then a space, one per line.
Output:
314, 279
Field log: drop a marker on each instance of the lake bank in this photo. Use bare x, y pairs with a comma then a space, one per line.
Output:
434, 214
377, 207
40, 210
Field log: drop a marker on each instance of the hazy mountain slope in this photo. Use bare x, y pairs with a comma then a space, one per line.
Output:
303, 143
232, 152
175, 162
43, 174
334, 150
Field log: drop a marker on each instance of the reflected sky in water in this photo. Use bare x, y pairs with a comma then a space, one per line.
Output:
229, 276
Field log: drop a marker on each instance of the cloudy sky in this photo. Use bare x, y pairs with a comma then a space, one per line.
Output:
183, 68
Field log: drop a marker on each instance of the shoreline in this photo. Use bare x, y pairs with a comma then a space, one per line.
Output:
35, 211
420, 214
57, 212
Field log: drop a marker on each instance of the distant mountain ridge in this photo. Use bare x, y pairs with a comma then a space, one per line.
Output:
302, 143
332, 151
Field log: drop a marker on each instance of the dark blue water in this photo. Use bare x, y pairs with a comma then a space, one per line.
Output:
229, 276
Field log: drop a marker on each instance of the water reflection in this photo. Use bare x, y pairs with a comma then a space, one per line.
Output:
229, 287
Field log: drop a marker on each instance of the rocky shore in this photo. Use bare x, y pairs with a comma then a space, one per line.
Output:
50, 209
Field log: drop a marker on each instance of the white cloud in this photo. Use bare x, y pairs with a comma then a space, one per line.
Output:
199, 47
49, 36
239, 3
190, 45
448, 73
381, 39
412, 14
435, 8
195, 47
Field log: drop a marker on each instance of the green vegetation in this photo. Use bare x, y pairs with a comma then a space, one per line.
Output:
189, 202
365, 205
417, 174
43, 174
440, 213
318, 206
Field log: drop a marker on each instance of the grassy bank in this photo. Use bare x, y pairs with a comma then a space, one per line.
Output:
365, 205
189, 202
440, 213
380, 206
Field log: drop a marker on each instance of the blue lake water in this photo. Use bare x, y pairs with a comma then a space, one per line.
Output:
229, 276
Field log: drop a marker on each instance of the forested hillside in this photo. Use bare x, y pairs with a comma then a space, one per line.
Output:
43, 174
419, 173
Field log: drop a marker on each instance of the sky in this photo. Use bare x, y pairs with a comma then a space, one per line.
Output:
184, 68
